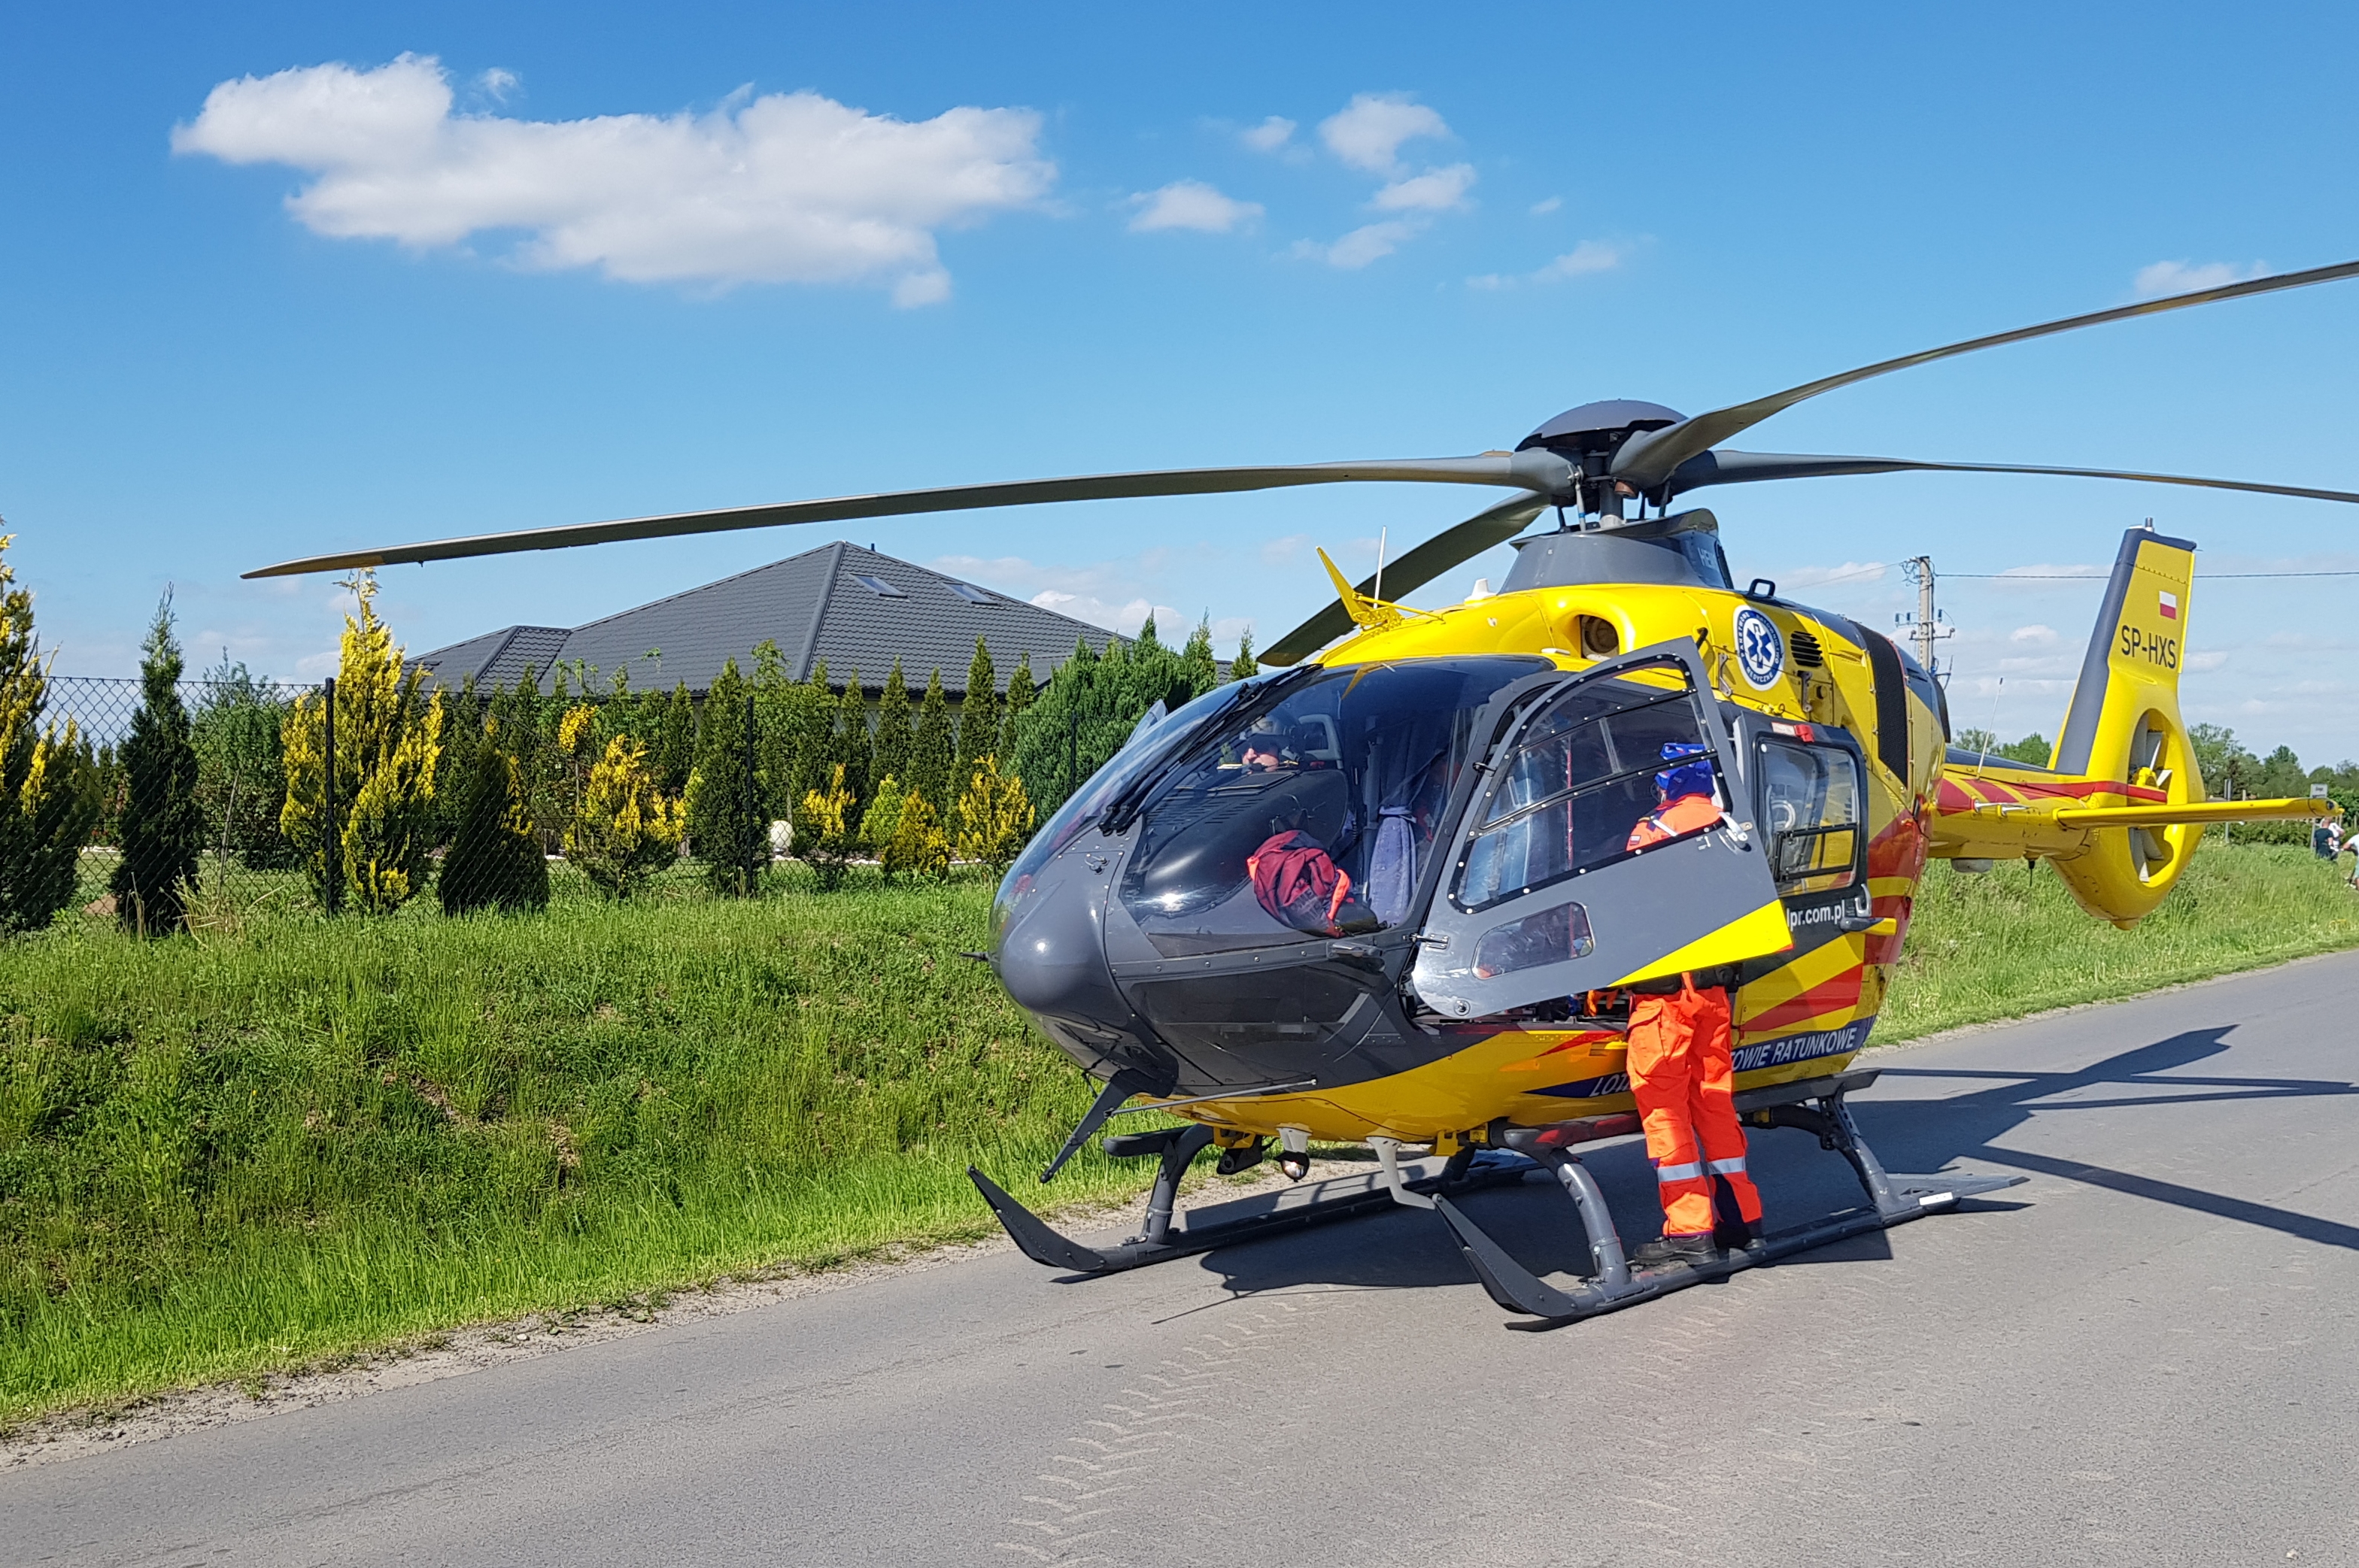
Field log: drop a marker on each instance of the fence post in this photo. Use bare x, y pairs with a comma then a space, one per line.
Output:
335, 878
758, 850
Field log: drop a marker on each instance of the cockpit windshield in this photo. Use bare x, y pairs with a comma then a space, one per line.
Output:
1311, 811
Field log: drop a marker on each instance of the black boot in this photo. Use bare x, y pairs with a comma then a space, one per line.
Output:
1666, 1249
1740, 1237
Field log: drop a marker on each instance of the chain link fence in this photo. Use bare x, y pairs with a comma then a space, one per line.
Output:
543, 748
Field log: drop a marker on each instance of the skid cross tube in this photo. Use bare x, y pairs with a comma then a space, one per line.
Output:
1166, 1235
1893, 1200
1815, 1105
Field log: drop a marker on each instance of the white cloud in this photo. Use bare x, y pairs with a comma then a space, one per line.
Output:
1190, 204
1125, 617
1285, 551
1585, 259
1367, 133
1270, 135
2209, 660
2185, 277
1541, 208
497, 82
2041, 635
787, 188
1435, 190
1371, 242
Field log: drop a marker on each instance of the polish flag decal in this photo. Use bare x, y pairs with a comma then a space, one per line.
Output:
2170, 607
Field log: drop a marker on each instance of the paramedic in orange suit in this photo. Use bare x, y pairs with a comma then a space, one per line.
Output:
1681, 1067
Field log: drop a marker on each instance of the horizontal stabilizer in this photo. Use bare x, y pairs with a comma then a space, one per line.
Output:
2170, 816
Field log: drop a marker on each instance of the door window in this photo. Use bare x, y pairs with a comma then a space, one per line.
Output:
1613, 768
1810, 811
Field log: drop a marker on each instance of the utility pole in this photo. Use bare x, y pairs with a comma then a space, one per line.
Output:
1926, 629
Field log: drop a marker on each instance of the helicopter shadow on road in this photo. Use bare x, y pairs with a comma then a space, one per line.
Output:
1537, 1224
1534, 1222
1924, 1134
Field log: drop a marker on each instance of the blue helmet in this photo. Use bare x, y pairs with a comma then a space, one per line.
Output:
1689, 777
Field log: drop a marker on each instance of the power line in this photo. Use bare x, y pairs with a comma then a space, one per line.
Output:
2095, 577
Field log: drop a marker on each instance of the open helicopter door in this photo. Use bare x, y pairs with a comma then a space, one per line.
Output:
1607, 840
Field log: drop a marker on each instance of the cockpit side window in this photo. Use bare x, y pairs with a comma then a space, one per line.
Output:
1614, 768
1311, 814
1810, 811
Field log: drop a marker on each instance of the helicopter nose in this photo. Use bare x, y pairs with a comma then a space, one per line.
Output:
1052, 952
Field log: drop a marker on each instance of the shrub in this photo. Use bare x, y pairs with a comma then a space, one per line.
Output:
625, 827
881, 816
49, 791
993, 816
240, 772
918, 848
494, 860
823, 834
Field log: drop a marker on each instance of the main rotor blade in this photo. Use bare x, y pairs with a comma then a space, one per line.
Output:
1541, 473
1726, 467
1647, 460
1419, 567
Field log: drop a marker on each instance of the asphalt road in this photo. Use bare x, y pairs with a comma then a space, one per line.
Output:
2148, 1354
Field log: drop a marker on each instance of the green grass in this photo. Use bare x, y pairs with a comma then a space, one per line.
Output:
294, 1139
2012, 941
237, 1154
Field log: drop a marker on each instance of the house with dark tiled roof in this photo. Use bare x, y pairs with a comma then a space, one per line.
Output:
850, 607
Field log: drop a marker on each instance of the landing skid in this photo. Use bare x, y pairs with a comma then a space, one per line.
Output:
1814, 1106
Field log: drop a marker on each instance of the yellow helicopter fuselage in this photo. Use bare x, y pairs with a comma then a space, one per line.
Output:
2119, 826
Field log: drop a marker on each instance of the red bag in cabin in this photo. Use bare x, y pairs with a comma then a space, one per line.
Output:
1297, 882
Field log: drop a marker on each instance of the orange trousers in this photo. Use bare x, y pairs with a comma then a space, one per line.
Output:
1684, 1079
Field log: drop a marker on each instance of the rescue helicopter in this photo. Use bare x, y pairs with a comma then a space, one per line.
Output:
1391, 895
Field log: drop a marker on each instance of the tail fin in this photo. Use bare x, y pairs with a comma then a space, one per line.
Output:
2123, 732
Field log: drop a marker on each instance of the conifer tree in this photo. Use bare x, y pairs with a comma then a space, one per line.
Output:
993, 816
882, 816
50, 798
494, 860
727, 828
849, 745
1198, 668
388, 741
675, 747
163, 828
1046, 752
890, 753
978, 724
826, 829
919, 846
623, 828
1019, 700
932, 749
1242, 667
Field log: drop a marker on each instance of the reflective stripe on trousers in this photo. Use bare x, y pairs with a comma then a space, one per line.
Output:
1684, 1079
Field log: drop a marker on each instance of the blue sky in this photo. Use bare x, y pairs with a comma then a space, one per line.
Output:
877, 248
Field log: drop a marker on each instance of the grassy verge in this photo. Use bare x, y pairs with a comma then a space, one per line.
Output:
291, 1139
2012, 941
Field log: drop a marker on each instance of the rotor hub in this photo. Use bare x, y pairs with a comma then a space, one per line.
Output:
1588, 438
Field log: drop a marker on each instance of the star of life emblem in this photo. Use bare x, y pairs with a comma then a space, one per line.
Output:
1760, 651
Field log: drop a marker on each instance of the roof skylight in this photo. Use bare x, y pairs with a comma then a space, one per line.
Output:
970, 593
879, 587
